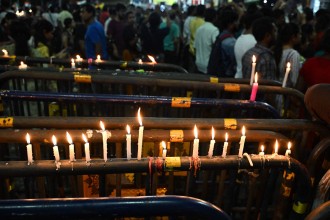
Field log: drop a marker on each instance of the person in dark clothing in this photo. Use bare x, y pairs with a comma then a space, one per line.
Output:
152, 36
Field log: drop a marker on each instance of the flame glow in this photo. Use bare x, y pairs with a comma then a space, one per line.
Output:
68, 137
152, 59
54, 140
254, 59
27, 138
256, 78
226, 136
163, 144
195, 132
84, 138
139, 117
102, 126
213, 133
128, 129
289, 145
243, 131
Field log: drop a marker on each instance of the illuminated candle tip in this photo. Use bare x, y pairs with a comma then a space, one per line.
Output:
195, 132
128, 129
243, 131
68, 136
54, 140
102, 126
254, 59
226, 136
28, 138
139, 117
213, 133
289, 145
84, 138
256, 78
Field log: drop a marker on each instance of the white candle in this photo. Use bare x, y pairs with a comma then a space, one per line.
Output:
288, 151
71, 147
104, 140
140, 138
254, 88
5, 53
212, 142
262, 153
253, 69
128, 143
73, 65
29, 149
22, 66
164, 149
276, 147
55, 149
87, 154
287, 71
225, 146
196, 143
241, 143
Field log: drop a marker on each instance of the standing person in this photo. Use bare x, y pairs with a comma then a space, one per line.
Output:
186, 36
204, 40
171, 40
265, 32
95, 40
245, 41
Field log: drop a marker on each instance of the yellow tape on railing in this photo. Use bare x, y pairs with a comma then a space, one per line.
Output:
230, 123
228, 87
171, 162
214, 79
181, 102
176, 136
82, 78
6, 122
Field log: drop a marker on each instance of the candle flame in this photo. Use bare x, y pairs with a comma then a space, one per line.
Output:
243, 130
78, 57
152, 59
163, 145
98, 57
213, 133
289, 145
276, 146
72, 60
22, 63
5, 52
128, 129
68, 137
140, 61
226, 136
254, 59
195, 132
139, 117
262, 148
84, 138
28, 138
54, 140
256, 77
102, 126
288, 65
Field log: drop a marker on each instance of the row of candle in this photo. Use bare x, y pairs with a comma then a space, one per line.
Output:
195, 153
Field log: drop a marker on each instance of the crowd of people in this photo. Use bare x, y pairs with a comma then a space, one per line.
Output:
203, 40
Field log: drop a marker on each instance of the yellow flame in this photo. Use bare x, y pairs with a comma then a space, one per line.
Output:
254, 59
262, 148
28, 138
289, 145
288, 65
54, 140
140, 61
139, 117
243, 131
128, 129
68, 137
163, 144
276, 146
102, 126
195, 132
226, 136
152, 59
84, 138
256, 78
213, 133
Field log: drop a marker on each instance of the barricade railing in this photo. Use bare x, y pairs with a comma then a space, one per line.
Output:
105, 208
102, 64
220, 106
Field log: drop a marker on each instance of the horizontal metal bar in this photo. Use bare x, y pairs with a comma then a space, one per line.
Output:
44, 136
137, 99
168, 123
82, 208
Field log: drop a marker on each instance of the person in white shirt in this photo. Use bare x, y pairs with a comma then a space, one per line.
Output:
205, 37
246, 41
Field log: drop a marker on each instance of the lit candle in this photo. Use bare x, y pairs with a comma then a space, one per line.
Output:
225, 145
5, 53
105, 144
98, 59
29, 149
196, 143
212, 142
276, 147
140, 138
253, 69
55, 149
262, 153
78, 59
153, 61
22, 66
288, 151
140, 62
73, 65
71, 147
254, 88
287, 71
164, 149
128, 142
87, 154
241, 143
